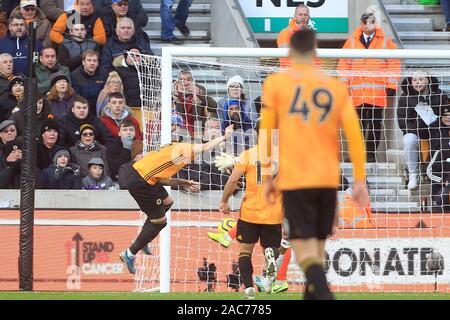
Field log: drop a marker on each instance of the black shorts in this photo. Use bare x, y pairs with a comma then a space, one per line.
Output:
268, 234
309, 213
148, 197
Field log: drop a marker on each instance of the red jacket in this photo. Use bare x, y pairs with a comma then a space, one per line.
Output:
113, 125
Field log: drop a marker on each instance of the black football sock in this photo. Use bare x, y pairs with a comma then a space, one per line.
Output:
316, 280
246, 269
149, 232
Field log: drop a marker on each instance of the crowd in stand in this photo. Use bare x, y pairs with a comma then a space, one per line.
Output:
88, 87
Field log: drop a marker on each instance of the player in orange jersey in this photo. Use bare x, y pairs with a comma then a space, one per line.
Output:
258, 219
308, 108
144, 180
224, 163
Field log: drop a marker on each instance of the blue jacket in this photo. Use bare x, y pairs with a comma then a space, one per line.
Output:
88, 86
18, 48
246, 123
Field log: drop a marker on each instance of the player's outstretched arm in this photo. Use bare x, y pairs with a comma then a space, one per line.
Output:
229, 188
199, 148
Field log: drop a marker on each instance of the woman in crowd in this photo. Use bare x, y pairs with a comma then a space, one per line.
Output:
87, 148
235, 92
420, 92
61, 95
112, 84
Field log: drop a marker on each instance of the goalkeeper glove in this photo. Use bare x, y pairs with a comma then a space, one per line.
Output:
225, 161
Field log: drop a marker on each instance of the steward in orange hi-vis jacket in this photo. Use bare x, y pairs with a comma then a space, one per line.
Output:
300, 21
370, 81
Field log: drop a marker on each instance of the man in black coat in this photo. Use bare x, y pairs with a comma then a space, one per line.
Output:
70, 124
48, 143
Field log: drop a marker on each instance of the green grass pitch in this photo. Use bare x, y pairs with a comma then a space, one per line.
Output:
208, 296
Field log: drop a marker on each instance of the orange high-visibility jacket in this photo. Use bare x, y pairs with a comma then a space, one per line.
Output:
283, 41
353, 217
368, 79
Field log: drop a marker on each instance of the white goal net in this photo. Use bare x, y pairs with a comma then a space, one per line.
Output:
400, 243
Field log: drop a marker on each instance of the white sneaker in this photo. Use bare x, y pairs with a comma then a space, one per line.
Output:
250, 293
413, 181
271, 271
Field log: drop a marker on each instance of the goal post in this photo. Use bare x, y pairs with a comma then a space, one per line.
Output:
172, 56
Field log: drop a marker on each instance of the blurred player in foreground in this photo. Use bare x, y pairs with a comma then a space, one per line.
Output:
145, 181
258, 220
308, 108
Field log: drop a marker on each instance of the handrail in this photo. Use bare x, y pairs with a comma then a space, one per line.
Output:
388, 18
238, 7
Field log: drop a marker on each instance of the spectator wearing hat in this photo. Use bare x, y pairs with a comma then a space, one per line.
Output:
72, 48
118, 10
116, 113
6, 71
13, 100
244, 136
48, 65
125, 36
235, 91
61, 96
120, 151
178, 129
87, 81
128, 73
10, 165
419, 91
42, 112
8, 132
96, 178
85, 13
234, 114
192, 102
16, 44
371, 81
75, 118
113, 84
48, 143
29, 10
87, 148
61, 174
